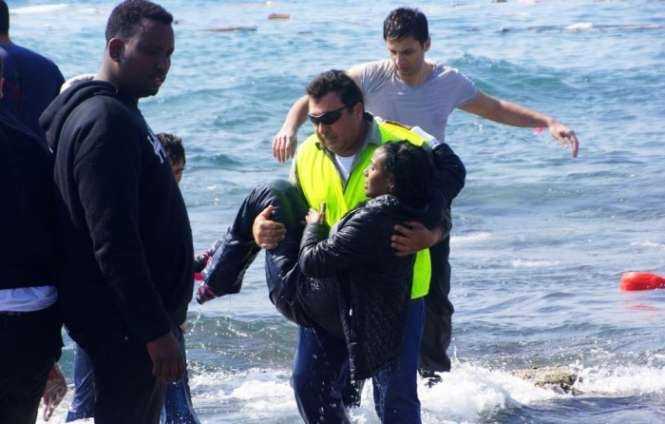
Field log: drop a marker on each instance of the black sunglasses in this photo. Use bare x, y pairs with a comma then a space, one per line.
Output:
326, 118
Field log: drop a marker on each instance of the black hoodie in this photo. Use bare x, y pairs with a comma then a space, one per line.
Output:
26, 218
122, 226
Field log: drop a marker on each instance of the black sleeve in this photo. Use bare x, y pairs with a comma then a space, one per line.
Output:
107, 170
450, 171
449, 176
355, 243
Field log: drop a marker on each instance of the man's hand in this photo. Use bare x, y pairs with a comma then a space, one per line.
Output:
284, 145
167, 362
267, 233
564, 136
413, 237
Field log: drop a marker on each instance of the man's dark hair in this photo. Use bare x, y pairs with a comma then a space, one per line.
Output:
126, 17
412, 169
4, 18
173, 146
405, 22
335, 81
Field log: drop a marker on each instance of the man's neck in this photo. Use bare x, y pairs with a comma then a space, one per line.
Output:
4, 39
360, 141
105, 74
420, 77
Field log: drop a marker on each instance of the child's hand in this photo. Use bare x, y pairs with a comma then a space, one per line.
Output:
316, 217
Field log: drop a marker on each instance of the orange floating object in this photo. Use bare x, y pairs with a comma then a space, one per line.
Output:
633, 281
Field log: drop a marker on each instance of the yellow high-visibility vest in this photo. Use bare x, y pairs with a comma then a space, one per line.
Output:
320, 182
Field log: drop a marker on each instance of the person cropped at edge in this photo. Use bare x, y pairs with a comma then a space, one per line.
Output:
29, 320
122, 227
31, 80
343, 131
410, 89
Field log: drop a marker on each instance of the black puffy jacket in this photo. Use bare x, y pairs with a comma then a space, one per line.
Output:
374, 284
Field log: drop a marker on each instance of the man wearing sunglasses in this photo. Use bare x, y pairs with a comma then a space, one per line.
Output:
329, 170
409, 89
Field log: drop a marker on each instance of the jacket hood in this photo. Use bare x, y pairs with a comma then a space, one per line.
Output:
56, 114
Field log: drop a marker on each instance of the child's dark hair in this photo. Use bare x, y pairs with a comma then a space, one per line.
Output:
173, 146
412, 169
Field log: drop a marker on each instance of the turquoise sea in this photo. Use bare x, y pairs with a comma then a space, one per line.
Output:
539, 239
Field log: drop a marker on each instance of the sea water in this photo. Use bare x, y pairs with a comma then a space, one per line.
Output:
539, 239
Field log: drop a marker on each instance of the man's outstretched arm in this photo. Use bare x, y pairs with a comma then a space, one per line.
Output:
509, 113
285, 142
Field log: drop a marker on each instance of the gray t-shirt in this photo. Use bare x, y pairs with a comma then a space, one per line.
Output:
427, 105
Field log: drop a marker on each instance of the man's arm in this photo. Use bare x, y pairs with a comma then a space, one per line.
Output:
509, 113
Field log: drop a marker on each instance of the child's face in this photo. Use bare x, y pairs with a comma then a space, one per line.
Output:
178, 168
378, 181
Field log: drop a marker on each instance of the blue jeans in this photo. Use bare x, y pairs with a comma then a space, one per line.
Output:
83, 401
320, 373
395, 385
177, 403
178, 407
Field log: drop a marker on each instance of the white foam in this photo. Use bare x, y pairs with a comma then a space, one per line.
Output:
649, 244
523, 263
470, 238
580, 26
622, 381
478, 392
43, 8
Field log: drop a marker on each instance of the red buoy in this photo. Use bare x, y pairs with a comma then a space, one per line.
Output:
633, 281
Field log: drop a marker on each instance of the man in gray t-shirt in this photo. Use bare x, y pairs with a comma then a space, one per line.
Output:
426, 105
411, 90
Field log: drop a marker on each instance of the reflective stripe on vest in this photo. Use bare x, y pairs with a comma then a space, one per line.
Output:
321, 182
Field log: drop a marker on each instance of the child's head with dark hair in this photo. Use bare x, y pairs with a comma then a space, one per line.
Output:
403, 170
175, 152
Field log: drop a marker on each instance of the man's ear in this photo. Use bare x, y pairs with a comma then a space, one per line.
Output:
359, 109
116, 48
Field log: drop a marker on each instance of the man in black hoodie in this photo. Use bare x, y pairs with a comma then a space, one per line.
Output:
126, 275
29, 322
